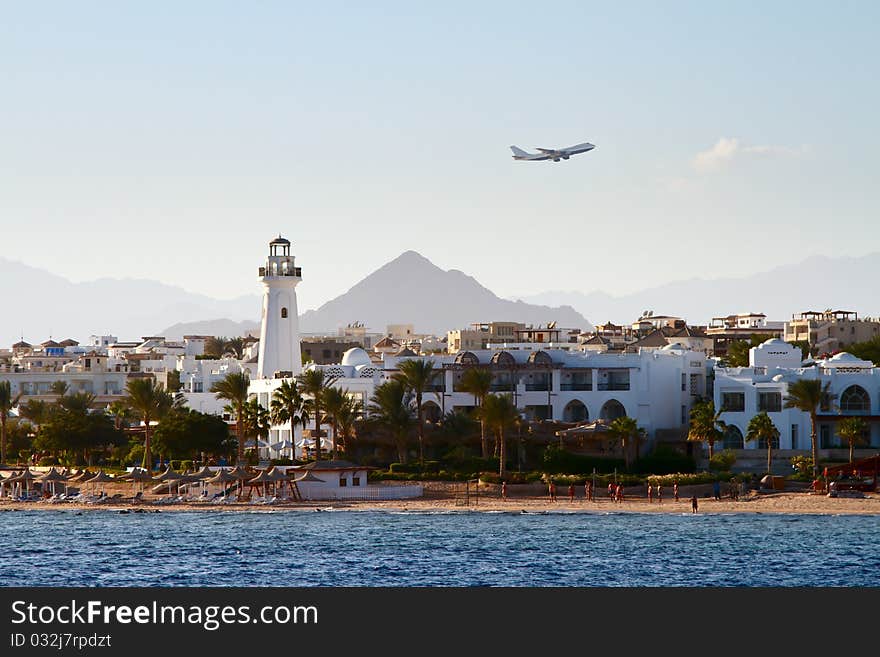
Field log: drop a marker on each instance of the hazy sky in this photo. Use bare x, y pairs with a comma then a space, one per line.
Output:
172, 140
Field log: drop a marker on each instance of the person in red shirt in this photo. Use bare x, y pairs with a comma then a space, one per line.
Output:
552, 490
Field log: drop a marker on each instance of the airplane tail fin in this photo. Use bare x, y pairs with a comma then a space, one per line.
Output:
518, 152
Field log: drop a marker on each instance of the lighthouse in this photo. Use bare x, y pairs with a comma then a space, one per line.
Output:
279, 330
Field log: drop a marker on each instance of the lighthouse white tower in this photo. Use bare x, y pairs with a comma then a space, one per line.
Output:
279, 331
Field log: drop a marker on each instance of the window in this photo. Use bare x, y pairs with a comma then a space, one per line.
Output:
343, 482
695, 385
855, 399
283, 313
824, 436
733, 401
325, 353
794, 436
771, 402
355, 481
683, 382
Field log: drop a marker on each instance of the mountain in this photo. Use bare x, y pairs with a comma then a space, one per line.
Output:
817, 283
219, 327
37, 304
411, 288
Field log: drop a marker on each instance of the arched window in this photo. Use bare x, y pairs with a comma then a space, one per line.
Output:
284, 313
611, 410
575, 411
733, 438
503, 359
855, 399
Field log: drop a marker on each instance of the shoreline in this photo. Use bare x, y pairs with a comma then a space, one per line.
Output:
773, 503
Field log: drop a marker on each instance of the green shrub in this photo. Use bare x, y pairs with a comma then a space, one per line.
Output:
186, 465
557, 460
666, 460
48, 460
722, 461
281, 462
804, 466
689, 478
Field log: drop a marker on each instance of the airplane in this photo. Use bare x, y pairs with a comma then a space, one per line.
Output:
550, 153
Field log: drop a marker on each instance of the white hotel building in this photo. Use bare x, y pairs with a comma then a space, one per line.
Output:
743, 392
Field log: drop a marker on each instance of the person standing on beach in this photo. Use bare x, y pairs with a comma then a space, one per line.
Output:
659, 494
589, 490
716, 489
650, 494
619, 493
675, 490
503, 490
610, 490
552, 490
571, 493
694, 504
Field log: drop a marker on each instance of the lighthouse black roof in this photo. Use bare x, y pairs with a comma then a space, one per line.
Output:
279, 240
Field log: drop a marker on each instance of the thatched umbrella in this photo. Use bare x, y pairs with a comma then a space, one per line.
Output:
53, 477
223, 477
277, 476
166, 478
139, 476
241, 475
82, 476
25, 477
261, 480
101, 478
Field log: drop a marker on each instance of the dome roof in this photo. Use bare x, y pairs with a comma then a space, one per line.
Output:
845, 357
280, 240
774, 341
675, 346
355, 357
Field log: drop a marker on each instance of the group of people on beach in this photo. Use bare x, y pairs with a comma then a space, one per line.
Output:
615, 493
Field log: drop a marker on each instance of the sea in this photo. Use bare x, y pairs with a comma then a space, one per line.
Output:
461, 548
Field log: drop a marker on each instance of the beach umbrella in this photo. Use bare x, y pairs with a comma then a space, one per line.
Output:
222, 478
262, 444
167, 478
53, 477
101, 478
82, 476
2, 483
241, 474
308, 477
261, 480
139, 476
277, 476
25, 477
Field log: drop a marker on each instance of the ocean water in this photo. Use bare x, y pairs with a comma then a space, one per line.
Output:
379, 548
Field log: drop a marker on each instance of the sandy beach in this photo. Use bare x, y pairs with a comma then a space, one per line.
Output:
753, 502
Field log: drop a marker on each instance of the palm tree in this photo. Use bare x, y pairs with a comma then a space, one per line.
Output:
478, 382
256, 422
150, 401
853, 430
760, 428
234, 389
626, 429
7, 403
335, 403
347, 419
288, 405
706, 425
499, 413
234, 346
59, 388
391, 406
120, 412
417, 375
314, 383
80, 402
807, 395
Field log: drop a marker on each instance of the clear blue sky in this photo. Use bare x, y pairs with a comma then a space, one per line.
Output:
172, 140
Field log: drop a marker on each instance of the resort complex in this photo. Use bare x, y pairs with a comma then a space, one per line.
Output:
372, 415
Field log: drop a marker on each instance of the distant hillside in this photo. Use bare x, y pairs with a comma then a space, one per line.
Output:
411, 288
36, 303
218, 327
817, 283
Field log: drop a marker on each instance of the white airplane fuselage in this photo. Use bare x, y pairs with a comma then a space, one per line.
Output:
551, 153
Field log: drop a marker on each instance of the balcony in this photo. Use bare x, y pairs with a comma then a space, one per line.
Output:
537, 387
295, 272
501, 387
568, 387
614, 385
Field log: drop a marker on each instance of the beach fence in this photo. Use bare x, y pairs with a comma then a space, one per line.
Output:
362, 493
